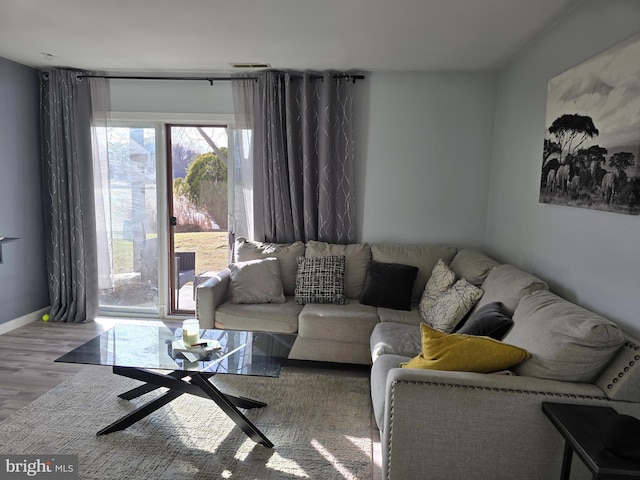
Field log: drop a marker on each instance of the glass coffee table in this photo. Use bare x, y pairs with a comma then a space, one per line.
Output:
147, 353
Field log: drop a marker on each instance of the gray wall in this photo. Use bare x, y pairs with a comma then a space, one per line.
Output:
23, 276
427, 152
163, 96
590, 257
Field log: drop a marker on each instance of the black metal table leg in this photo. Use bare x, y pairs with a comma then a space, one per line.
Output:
148, 387
140, 412
232, 412
566, 462
242, 402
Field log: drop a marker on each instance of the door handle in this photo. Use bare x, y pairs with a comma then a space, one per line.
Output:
173, 221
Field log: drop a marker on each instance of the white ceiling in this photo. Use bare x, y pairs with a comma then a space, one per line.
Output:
198, 36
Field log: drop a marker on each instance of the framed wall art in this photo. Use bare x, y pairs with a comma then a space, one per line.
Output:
592, 133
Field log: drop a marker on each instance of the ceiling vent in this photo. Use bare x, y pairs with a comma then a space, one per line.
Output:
250, 65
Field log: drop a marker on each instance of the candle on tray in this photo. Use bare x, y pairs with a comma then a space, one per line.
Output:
190, 331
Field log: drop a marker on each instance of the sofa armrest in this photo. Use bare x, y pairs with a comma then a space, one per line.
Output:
468, 425
210, 295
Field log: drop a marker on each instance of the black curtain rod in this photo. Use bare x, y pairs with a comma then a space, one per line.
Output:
125, 77
208, 79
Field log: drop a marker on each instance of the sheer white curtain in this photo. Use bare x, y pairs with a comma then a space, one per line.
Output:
303, 155
247, 196
100, 105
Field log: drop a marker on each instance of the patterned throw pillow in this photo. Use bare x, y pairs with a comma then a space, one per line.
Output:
320, 280
451, 307
442, 278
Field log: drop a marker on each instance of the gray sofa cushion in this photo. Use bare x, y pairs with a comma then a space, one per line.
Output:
357, 256
566, 342
472, 265
266, 317
352, 322
285, 253
395, 338
411, 317
422, 256
508, 284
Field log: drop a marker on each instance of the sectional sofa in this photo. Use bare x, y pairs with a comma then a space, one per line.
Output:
436, 422
330, 332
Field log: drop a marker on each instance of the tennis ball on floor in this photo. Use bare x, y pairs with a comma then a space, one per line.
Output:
45, 317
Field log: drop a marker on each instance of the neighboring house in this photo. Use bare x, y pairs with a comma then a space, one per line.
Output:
474, 181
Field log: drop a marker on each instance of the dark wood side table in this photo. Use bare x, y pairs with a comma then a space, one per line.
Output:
581, 427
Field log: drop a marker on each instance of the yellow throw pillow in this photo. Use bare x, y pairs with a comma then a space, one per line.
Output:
464, 353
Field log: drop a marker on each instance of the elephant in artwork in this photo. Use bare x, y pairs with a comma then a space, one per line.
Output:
551, 180
562, 178
609, 187
573, 185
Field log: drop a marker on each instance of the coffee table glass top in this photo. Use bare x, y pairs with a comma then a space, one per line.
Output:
146, 346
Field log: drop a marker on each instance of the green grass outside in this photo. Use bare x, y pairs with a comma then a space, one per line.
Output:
211, 251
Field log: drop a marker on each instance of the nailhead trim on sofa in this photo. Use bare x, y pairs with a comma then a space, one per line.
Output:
632, 363
621, 379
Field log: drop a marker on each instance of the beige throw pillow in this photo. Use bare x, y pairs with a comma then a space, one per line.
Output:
472, 265
442, 278
357, 258
286, 253
256, 281
452, 306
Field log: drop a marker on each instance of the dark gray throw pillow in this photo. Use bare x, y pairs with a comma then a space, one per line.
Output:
490, 320
388, 285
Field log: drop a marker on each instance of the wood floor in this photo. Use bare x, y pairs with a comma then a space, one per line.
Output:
27, 354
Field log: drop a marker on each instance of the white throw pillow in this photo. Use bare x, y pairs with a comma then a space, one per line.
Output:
452, 306
256, 281
441, 280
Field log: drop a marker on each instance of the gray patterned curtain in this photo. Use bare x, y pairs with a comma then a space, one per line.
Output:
303, 151
65, 108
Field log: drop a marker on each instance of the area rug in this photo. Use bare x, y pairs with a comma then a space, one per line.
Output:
319, 423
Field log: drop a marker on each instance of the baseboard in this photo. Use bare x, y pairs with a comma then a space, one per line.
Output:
22, 321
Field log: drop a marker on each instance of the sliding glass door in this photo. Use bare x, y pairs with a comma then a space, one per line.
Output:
198, 209
162, 215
